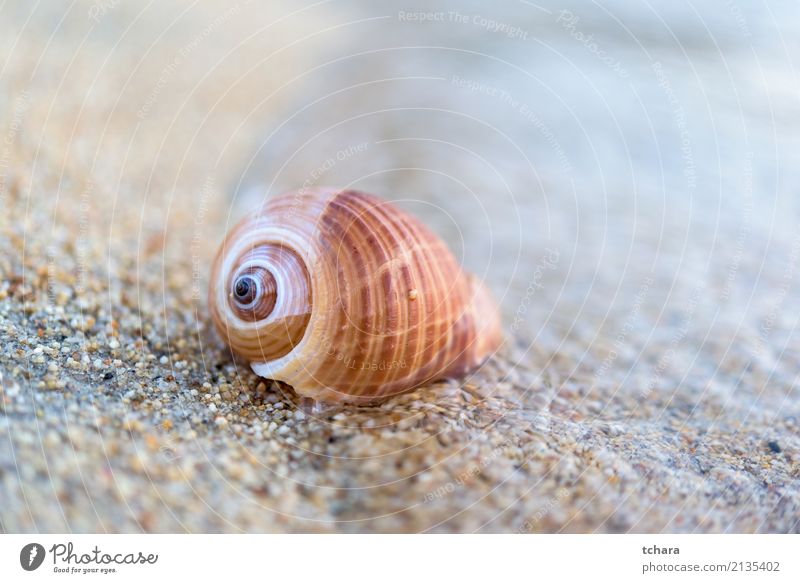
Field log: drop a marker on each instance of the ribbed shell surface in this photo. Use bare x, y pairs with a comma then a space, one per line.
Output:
388, 306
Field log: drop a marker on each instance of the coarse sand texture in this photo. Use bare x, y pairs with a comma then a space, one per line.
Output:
635, 214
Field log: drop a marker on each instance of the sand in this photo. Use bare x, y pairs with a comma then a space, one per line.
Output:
636, 218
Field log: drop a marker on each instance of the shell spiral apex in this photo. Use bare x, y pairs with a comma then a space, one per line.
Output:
347, 298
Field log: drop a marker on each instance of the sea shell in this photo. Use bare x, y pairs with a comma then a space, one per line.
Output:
347, 298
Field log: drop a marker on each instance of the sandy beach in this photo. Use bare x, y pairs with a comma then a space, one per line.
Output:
631, 200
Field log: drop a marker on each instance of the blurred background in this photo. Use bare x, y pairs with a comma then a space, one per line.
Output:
633, 138
622, 175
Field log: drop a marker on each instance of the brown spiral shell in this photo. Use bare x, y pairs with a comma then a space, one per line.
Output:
347, 298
